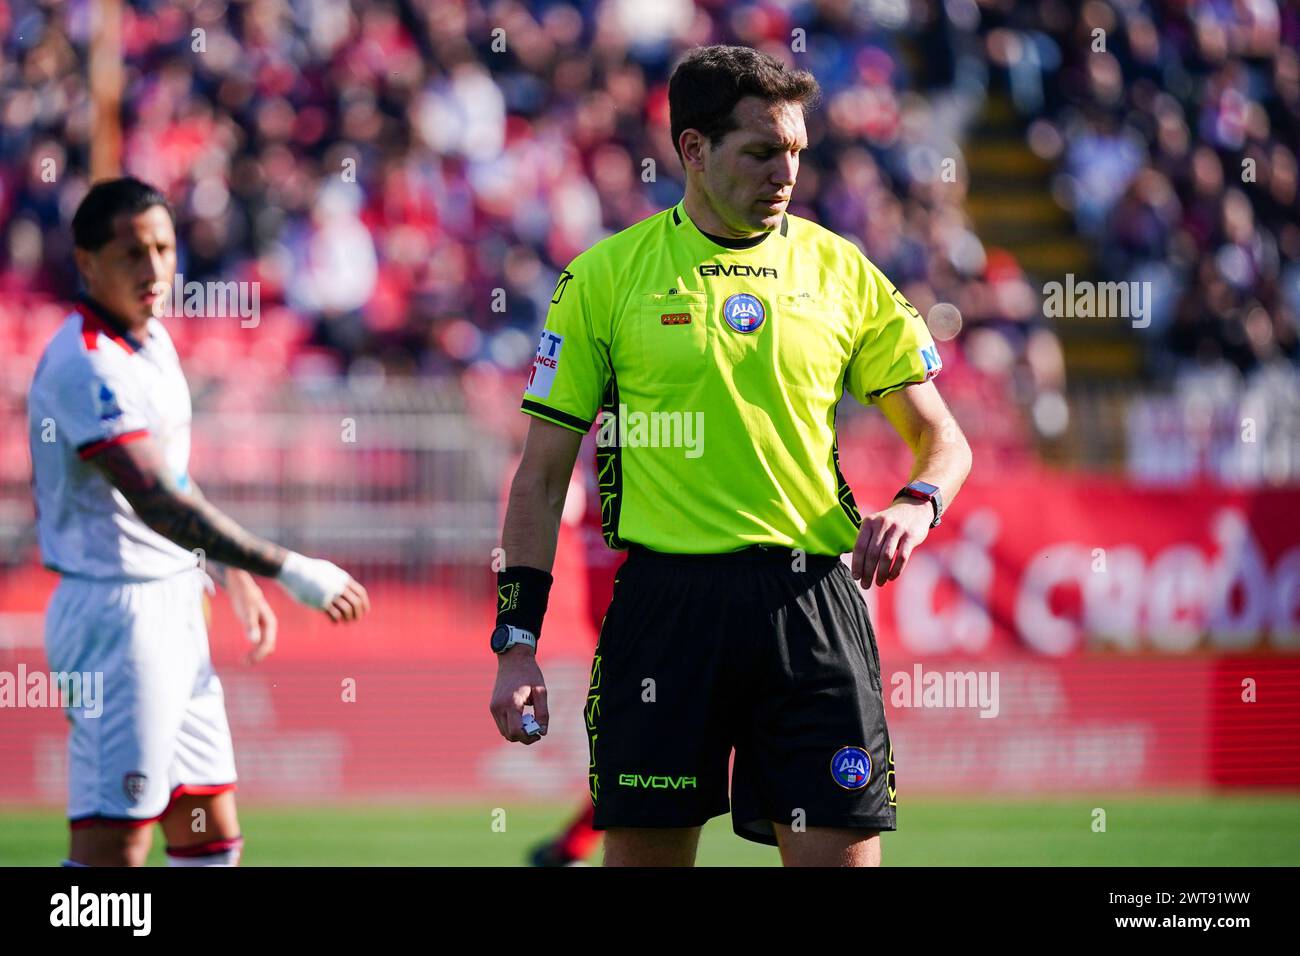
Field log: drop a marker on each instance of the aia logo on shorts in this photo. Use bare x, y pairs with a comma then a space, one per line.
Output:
743, 312
851, 767
134, 786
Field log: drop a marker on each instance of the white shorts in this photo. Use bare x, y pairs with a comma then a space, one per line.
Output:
162, 731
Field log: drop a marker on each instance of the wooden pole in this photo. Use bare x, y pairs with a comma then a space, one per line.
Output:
106, 90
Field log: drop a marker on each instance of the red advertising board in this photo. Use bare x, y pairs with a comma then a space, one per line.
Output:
1058, 564
1105, 637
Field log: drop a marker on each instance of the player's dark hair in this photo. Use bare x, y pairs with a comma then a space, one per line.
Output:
710, 80
92, 225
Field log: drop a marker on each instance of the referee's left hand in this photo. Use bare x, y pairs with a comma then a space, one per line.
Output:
886, 540
519, 683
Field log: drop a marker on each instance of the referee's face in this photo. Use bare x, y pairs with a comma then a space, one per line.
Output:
747, 176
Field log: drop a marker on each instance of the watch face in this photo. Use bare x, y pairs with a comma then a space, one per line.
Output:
500, 637
925, 487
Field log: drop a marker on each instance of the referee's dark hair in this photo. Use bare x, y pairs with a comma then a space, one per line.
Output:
92, 224
710, 80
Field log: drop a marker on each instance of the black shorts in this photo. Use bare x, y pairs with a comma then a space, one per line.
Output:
753, 651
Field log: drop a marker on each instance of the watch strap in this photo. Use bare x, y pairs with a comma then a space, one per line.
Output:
517, 635
919, 494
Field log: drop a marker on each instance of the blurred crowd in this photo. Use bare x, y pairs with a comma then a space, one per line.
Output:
408, 178
1177, 126
405, 180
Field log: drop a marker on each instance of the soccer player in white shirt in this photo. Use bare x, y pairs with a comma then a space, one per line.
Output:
120, 519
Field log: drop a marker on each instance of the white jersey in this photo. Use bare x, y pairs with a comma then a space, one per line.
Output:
96, 387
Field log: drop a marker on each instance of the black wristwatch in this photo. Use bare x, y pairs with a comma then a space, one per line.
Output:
505, 637
924, 491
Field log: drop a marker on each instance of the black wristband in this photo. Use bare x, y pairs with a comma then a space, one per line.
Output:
522, 594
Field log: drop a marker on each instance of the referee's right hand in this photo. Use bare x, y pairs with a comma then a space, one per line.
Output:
519, 683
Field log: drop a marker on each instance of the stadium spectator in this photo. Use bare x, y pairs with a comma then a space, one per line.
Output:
408, 178
1182, 123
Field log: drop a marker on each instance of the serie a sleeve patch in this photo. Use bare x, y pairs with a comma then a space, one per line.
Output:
930, 359
545, 364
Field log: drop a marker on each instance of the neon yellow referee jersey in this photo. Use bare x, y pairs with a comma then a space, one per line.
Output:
716, 371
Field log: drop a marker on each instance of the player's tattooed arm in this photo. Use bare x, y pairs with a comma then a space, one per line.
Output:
137, 469
256, 618
215, 569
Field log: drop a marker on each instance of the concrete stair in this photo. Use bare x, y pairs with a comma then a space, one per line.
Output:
1011, 203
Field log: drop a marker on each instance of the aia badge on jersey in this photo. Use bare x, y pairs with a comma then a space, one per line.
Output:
743, 312
545, 364
930, 356
851, 767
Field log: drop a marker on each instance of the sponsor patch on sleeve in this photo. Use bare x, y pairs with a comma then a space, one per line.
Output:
930, 358
545, 364
106, 406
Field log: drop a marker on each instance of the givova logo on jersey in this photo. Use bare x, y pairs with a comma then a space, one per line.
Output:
851, 768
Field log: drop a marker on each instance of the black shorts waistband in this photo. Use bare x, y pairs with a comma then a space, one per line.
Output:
755, 554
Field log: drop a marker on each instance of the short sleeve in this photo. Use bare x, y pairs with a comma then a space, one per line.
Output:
571, 367
893, 347
95, 404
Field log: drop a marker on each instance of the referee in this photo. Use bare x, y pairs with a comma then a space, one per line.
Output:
716, 339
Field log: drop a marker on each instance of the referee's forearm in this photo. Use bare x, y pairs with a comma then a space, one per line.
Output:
943, 460
532, 522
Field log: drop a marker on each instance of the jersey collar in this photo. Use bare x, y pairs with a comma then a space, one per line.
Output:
681, 219
96, 319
